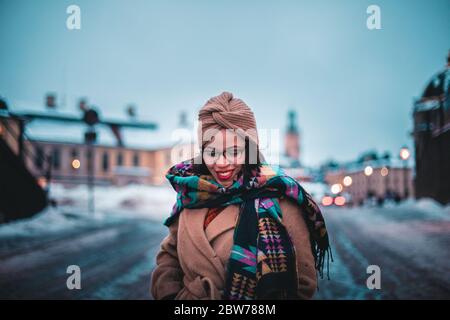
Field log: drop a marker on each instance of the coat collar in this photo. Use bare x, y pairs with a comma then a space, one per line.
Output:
194, 219
225, 221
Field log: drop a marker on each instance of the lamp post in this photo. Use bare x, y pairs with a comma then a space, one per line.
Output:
404, 155
385, 173
90, 137
368, 170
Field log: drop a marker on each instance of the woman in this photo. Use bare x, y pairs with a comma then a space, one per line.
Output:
240, 229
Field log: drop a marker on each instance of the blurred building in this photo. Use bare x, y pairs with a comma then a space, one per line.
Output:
381, 179
119, 155
431, 133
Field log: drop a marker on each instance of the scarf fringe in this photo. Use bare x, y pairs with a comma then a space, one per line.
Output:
320, 257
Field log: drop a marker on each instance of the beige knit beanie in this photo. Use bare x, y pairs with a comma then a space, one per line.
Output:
224, 111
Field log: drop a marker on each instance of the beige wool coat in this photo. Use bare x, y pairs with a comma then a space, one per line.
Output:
191, 263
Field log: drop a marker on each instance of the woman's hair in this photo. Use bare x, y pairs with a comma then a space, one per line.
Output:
247, 167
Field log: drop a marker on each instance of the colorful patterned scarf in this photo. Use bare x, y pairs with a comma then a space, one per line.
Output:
262, 263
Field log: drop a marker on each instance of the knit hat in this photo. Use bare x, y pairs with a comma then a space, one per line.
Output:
224, 111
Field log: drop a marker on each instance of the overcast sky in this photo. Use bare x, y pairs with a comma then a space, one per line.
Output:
352, 87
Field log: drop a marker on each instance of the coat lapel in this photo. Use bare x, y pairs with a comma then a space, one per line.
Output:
193, 219
225, 221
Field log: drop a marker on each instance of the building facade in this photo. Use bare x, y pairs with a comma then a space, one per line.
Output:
373, 179
431, 114
140, 156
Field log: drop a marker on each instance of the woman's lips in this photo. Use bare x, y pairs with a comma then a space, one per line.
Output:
224, 175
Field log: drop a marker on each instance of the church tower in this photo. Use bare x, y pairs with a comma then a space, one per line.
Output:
292, 138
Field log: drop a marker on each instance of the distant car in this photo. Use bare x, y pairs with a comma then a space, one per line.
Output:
338, 200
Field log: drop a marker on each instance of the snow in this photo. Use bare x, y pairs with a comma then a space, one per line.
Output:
144, 201
112, 204
423, 209
70, 132
405, 240
408, 241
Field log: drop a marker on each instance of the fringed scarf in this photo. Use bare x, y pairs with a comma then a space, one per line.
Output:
262, 262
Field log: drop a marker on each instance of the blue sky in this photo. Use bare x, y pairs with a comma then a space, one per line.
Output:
352, 88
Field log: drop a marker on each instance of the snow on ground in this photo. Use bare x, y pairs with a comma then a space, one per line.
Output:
155, 203
409, 223
143, 201
112, 203
408, 241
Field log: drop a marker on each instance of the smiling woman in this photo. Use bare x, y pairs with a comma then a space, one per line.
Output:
240, 229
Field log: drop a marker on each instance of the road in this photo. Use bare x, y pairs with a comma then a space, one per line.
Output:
116, 259
412, 254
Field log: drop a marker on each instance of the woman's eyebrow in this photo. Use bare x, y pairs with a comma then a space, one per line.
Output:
229, 148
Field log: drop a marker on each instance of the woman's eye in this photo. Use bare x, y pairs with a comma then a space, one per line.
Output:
234, 153
211, 152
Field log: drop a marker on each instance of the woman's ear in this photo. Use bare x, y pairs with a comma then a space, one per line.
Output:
246, 169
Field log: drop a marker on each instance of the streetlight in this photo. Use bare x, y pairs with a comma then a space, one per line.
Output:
404, 155
384, 173
368, 170
336, 188
76, 164
347, 181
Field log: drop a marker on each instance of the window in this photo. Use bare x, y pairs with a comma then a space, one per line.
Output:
74, 153
105, 161
89, 153
136, 159
120, 159
56, 158
39, 157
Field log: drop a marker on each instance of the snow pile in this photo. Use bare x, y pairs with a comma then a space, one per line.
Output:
422, 209
153, 202
408, 223
425, 209
49, 220
112, 205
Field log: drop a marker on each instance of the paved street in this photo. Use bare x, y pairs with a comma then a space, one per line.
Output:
116, 258
115, 261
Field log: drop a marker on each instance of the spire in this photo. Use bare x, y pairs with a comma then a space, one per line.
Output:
292, 123
183, 123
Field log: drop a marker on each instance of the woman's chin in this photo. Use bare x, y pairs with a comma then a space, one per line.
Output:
226, 184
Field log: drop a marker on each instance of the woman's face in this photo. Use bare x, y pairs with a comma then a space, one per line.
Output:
224, 156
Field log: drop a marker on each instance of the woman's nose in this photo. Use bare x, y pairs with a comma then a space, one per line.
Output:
222, 160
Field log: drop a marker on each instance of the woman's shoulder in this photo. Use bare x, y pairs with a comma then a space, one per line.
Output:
292, 214
288, 205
